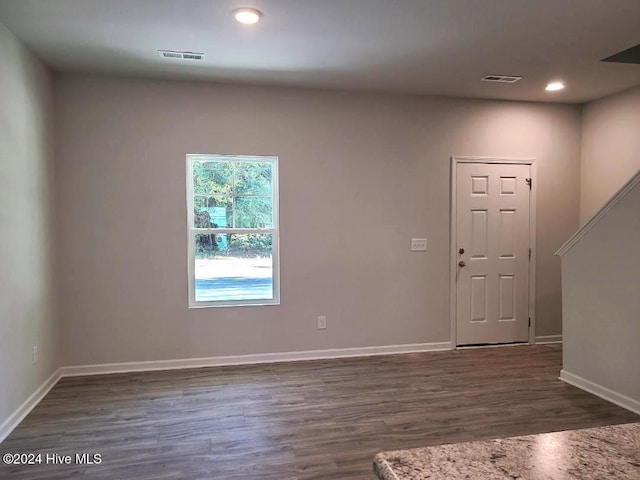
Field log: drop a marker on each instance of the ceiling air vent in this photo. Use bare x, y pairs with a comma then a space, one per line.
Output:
501, 78
181, 55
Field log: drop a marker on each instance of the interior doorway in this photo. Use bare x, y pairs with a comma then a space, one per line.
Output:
492, 251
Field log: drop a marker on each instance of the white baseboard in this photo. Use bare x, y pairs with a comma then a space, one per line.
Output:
252, 359
542, 339
23, 410
16, 417
602, 392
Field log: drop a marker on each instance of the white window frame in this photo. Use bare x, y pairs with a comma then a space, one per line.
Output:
192, 231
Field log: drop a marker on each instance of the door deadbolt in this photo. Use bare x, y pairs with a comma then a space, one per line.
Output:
461, 251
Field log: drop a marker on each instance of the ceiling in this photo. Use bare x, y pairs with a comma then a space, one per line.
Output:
425, 47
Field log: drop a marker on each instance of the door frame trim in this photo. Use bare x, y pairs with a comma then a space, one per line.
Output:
454, 161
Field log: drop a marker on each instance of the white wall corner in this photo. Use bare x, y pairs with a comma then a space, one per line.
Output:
29, 404
629, 403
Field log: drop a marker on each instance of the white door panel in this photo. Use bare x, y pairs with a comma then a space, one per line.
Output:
492, 288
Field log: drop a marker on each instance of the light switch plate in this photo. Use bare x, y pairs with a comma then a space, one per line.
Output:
418, 244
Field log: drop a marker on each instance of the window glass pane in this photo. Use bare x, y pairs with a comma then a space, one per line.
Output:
213, 177
212, 212
254, 212
233, 267
253, 178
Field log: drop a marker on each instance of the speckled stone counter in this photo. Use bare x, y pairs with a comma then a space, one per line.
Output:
588, 454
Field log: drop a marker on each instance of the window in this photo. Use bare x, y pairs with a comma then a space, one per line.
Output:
232, 210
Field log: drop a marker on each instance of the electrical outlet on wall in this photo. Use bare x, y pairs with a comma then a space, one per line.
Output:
322, 322
34, 353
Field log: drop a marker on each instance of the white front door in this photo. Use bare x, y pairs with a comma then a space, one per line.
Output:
492, 230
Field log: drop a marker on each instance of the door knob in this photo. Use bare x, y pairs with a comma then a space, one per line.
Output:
461, 263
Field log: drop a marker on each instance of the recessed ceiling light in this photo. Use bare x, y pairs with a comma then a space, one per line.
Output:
554, 86
247, 16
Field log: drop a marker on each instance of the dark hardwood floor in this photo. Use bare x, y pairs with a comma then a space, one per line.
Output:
299, 420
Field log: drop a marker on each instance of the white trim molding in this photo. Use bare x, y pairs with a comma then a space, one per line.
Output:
29, 404
252, 359
545, 339
612, 202
600, 391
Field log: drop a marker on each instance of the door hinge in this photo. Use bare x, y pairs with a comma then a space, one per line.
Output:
529, 254
528, 180
529, 322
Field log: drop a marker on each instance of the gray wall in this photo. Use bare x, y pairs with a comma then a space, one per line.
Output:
610, 148
359, 175
601, 301
26, 301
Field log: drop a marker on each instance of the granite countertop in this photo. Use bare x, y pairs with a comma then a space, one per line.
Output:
587, 454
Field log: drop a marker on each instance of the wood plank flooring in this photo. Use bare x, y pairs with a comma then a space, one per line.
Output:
299, 420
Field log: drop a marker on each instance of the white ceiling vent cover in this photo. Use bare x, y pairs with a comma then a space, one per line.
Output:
501, 78
181, 55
